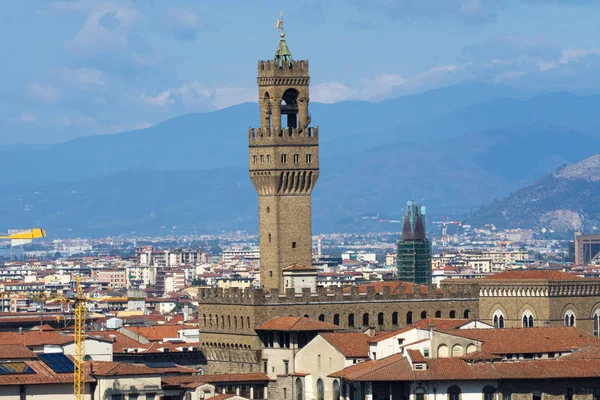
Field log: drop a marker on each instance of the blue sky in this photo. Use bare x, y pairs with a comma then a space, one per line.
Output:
73, 68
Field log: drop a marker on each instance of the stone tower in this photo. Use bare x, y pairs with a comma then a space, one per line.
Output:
284, 165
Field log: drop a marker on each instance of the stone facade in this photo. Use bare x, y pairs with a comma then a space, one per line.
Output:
284, 168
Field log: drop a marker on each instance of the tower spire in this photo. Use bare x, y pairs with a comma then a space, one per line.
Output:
282, 55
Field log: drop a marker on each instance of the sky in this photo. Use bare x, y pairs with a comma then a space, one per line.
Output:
87, 67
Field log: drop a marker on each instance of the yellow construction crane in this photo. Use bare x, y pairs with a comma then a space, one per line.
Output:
78, 375
19, 237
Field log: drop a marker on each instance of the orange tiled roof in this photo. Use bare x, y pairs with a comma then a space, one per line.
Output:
396, 368
416, 356
296, 324
197, 380
43, 375
110, 368
13, 351
529, 340
350, 344
158, 332
544, 275
296, 267
394, 286
444, 324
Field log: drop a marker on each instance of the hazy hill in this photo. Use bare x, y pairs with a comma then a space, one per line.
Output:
566, 200
219, 139
451, 178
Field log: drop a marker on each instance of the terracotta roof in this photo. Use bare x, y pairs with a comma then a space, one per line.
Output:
296, 324
529, 340
350, 344
12, 352
110, 368
481, 356
394, 286
43, 375
396, 368
157, 333
416, 356
35, 338
545, 275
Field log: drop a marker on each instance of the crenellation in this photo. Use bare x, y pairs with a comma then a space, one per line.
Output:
268, 68
279, 136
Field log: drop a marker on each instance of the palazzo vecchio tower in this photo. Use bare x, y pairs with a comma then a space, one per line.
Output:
284, 165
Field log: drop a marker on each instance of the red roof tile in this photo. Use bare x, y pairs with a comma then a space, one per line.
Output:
350, 344
13, 352
110, 368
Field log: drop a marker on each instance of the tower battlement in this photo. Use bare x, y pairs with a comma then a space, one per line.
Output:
269, 68
291, 136
338, 294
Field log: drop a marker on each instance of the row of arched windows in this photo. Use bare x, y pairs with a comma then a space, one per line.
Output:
454, 393
381, 318
528, 320
219, 322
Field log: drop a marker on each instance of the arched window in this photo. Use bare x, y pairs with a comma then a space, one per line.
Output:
248, 322
498, 319
229, 321
423, 314
299, 394
394, 318
380, 319
268, 159
336, 319
204, 318
320, 390
305, 315
467, 314
438, 314
254, 159
457, 350
442, 351
322, 317
235, 322
452, 314
350, 320
336, 390
217, 320
471, 348
242, 322
527, 319
420, 394
210, 319
365, 319
569, 318
596, 329
488, 392
87, 358
409, 320
308, 161
222, 321
454, 392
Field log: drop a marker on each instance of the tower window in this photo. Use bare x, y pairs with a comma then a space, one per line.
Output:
296, 158
293, 245
269, 238
270, 274
268, 210
254, 159
308, 158
262, 159
284, 158
268, 159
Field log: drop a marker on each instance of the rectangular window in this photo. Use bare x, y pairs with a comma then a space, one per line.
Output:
265, 366
150, 396
296, 158
285, 393
374, 356
308, 158
537, 394
268, 159
262, 159
284, 158
506, 395
293, 245
286, 367
426, 352
319, 360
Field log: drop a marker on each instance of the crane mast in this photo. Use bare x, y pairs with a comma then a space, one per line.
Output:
78, 375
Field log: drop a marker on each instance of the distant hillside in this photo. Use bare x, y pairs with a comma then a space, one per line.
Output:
566, 200
451, 178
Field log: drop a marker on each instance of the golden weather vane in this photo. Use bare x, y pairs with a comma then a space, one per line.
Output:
280, 25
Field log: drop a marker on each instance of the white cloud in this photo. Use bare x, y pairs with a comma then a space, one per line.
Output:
27, 118
575, 55
44, 93
196, 96
133, 126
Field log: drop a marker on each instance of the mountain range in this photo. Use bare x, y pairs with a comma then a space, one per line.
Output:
564, 201
451, 149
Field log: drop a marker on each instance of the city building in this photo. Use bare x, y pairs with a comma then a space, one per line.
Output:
414, 249
587, 248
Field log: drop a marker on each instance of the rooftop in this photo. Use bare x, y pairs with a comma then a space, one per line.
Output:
296, 324
350, 344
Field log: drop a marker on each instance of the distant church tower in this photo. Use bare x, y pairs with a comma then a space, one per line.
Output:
284, 165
